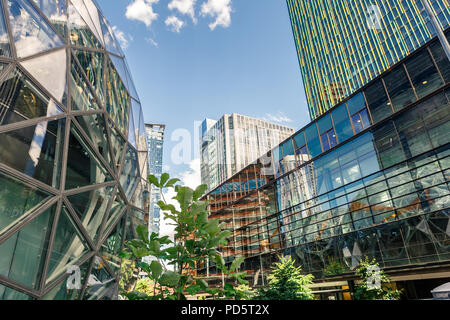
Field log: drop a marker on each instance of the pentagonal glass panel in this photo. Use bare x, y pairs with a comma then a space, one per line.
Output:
5, 49
119, 64
50, 71
17, 200
92, 64
56, 13
100, 280
23, 254
68, 289
132, 88
35, 150
117, 98
83, 167
31, 33
80, 33
111, 43
21, 99
112, 246
117, 145
94, 126
80, 93
94, 15
116, 210
129, 177
6, 293
91, 207
68, 248
84, 13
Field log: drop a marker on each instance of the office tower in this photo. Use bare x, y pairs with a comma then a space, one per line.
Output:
368, 177
234, 141
72, 182
155, 142
343, 45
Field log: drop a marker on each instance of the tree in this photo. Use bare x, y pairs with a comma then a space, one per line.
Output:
286, 282
373, 284
244, 292
196, 239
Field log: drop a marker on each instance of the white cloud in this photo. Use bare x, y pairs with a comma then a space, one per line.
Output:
279, 117
184, 7
122, 37
174, 23
190, 178
142, 10
152, 42
220, 10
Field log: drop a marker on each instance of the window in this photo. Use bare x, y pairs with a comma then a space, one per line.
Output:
377, 99
423, 73
342, 123
441, 60
302, 154
399, 88
328, 140
361, 120
312, 137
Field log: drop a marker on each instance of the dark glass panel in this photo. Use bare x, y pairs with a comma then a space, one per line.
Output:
356, 103
68, 248
99, 281
357, 123
399, 88
324, 123
117, 145
288, 148
23, 254
325, 143
17, 200
21, 99
7, 293
91, 208
312, 137
36, 150
378, 102
81, 96
83, 168
441, 60
95, 127
92, 64
342, 123
388, 145
423, 73
299, 140
112, 246
436, 116
116, 210
130, 172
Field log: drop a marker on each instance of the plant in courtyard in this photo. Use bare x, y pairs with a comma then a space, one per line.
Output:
244, 292
127, 276
286, 282
196, 240
334, 267
374, 283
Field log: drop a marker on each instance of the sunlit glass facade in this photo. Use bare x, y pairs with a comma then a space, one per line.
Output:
370, 177
343, 45
72, 152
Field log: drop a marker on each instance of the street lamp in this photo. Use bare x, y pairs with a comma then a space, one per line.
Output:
437, 27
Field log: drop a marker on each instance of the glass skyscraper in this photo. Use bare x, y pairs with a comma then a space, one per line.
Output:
155, 143
73, 182
369, 176
344, 44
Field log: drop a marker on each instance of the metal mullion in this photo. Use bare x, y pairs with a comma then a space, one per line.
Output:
63, 276
100, 32
77, 47
27, 219
18, 287
77, 113
387, 94
86, 81
434, 62
28, 180
50, 247
79, 224
30, 122
65, 155
6, 59
410, 82
367, 107
94, 149
12, 44
71, 192
43, 53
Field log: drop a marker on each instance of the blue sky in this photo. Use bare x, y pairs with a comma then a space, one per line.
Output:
205, 58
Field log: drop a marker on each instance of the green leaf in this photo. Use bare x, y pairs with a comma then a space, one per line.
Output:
153, 180
202, 283
199, 191
164, 178
169, 279
236, 263
171, 182
155, 246
184, 197
193, 289
156, 269
140, 252
142, 232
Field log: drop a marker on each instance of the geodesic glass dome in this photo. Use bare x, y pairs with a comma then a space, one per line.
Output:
73, 155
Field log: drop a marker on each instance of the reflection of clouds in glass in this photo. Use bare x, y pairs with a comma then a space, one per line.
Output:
93, 13
31, 36
50, 71
38, 141
83, 12
75, 20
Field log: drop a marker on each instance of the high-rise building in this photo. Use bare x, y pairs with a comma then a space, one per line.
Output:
155, 142
343, 45
72, 152
368, 177
234, 141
